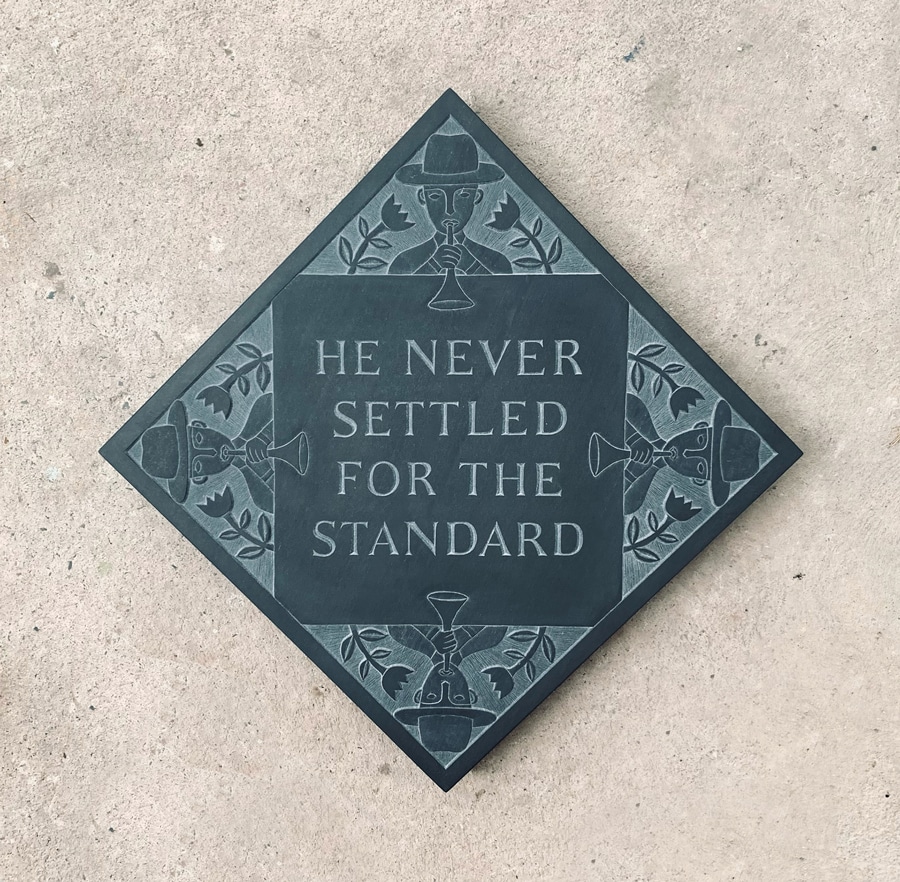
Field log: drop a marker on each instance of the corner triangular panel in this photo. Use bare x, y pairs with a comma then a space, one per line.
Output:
399, 230
450, 445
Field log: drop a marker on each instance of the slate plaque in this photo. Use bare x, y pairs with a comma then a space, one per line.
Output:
450, 445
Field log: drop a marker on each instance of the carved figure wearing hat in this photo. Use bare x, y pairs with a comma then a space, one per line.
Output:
448, 178
446, 713
179, 453
715, 456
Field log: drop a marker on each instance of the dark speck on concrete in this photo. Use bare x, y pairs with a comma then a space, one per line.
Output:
51, 295
799, 575
112, 829
635, 51
51, 269
198, 142
69, 567
36, 628
92, 707
874, 147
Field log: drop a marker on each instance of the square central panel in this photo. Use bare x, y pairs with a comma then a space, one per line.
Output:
448, 448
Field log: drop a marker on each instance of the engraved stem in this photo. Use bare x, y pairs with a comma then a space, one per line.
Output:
535, 242
362, 648
531, 651
367, 240
652, 366
651, 537
255, 540
244, 369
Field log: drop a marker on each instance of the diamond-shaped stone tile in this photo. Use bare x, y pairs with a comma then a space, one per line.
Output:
450, 445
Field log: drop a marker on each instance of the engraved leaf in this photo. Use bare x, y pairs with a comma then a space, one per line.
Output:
226, 368
637, 376
345, 251
251, 552
549, 648
522, 636
263, 376
530, 670
668, 537
378, 242
555, 250
381, 652
364, 669
652, 349
348, 645
657, 385
244, 521
537, 227
250, 350
229, 534
521, 242
370, 263
646, 554
243, 384
634, 528
370, 635
264, 525
673, 368
527, 262
652, 520
363, 226
514, 653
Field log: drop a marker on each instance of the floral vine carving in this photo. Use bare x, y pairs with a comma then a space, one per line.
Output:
502, 677
221, 505
393, 219
681, 398
218, 396
677, 508
393, 677
508, 216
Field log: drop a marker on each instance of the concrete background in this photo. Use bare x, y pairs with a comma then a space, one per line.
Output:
159, 159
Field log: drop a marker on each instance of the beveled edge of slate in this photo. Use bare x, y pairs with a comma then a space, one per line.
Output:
114, 451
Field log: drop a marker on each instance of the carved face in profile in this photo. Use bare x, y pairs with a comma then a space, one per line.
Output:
450, 205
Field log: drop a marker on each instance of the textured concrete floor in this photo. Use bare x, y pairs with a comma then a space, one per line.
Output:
158, 160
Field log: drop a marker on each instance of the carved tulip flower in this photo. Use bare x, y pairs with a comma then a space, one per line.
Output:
506, 214
217, 398
394, 679
501, 679
218, 505
679, 508
393, 216
683, 399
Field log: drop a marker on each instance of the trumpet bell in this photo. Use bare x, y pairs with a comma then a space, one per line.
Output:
451, 295
295, 453
447, 605
603, 455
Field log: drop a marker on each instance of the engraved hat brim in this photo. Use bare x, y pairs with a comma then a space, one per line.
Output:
178, 485
485, 173
410, 715
719, 487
